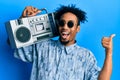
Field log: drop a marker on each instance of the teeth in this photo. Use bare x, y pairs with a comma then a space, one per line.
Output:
65, 32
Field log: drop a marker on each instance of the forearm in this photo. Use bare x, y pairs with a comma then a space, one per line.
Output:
107, 67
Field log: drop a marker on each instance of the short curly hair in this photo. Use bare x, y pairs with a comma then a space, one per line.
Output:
81, 15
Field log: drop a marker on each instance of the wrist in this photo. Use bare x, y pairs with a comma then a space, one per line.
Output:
108, 52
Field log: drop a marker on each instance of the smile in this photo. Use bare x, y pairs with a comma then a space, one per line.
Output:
65, 35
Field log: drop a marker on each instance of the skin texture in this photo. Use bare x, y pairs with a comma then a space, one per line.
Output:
67, 37
30, 11
68, 34
107, 67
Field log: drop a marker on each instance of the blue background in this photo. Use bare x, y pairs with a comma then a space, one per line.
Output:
103, 20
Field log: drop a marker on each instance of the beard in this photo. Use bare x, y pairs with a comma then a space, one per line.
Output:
64, 42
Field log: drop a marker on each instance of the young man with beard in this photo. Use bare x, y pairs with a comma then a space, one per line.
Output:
63, 59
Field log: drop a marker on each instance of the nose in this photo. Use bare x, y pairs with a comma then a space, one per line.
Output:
65, 26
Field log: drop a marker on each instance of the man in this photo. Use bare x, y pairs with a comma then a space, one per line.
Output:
63, 59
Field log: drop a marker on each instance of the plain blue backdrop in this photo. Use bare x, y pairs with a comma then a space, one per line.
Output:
103, 20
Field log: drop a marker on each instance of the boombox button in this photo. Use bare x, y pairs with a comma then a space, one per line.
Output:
37, 19
19, 21
41, 18
30, 21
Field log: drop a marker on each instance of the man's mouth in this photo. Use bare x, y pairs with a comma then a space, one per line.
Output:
65, 35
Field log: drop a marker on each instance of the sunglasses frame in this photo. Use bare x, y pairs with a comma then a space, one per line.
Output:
62, 23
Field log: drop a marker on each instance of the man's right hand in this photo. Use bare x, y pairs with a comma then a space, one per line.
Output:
30, 11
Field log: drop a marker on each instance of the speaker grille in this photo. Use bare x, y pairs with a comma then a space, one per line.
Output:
23, 34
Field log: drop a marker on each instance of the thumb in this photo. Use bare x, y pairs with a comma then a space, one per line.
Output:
111, 36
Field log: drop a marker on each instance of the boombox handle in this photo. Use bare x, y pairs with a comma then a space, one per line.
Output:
43, 9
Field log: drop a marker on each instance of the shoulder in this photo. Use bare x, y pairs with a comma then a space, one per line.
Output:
46, 42
84, 51
86, 55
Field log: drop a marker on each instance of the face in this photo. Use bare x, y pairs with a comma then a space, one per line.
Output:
68, 28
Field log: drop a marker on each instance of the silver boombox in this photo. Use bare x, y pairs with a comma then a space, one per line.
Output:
26, 31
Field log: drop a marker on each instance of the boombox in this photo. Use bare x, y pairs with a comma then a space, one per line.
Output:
26, 31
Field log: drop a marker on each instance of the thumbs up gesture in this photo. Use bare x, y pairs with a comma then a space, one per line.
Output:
107, 44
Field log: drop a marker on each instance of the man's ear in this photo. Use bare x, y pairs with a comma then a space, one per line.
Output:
78, 28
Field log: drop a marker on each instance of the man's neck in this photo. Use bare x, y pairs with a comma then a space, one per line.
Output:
68, 43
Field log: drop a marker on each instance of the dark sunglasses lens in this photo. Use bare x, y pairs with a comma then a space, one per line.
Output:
70, 24
61, 23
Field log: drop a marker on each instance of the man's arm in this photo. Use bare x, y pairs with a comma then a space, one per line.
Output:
106, 71
26, 53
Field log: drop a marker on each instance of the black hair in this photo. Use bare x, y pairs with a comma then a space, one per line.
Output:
81, 15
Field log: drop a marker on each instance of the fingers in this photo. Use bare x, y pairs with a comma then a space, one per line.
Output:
30, 11
107, 41
24, 13
107, 44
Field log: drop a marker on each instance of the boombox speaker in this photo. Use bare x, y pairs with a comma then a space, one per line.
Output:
26, 31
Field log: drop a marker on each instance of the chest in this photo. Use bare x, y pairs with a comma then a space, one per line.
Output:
62, 64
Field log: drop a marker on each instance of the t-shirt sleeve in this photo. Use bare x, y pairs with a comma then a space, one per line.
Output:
32, 52
25, 53
92, 70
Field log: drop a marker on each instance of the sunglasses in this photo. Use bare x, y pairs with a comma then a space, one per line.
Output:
62, 23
